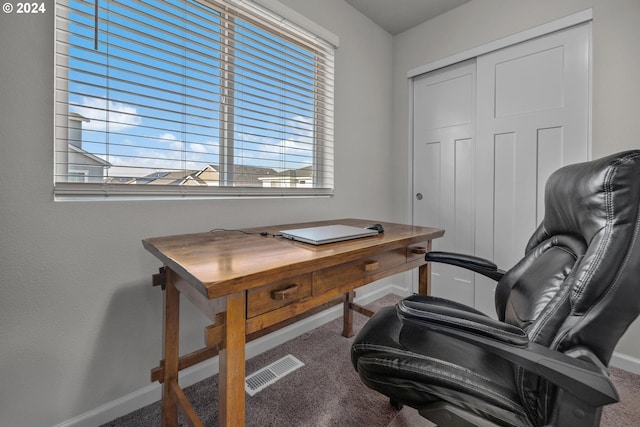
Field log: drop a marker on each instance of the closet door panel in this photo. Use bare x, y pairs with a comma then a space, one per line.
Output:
532, 118
443, 151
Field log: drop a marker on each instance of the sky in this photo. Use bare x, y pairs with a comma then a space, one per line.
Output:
152, 91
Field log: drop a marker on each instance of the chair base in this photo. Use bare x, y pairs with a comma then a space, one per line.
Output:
574, 412
443, 414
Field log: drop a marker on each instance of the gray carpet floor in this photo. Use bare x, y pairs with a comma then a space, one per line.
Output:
327, 392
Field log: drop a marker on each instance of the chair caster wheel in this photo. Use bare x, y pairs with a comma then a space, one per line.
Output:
396, 404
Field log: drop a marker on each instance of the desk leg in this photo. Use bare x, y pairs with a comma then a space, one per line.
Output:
232, 363
171, 328
424, 276
347, 315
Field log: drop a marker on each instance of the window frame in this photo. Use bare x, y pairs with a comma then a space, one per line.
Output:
323, 148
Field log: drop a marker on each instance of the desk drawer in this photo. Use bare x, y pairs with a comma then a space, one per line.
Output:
278, 294
360, 270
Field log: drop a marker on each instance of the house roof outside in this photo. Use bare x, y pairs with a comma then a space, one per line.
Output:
243, 176
166, 178
304, 173
94, 159
78, 117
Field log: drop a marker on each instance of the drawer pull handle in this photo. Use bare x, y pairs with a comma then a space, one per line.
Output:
285, 294
420, 250
371, 266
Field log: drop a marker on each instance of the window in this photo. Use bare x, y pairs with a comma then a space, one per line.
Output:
190, 98
78, 176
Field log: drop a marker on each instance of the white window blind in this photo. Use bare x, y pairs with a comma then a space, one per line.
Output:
190, 98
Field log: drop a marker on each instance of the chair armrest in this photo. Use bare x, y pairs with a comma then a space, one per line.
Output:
432, 311
580, 378
469, 262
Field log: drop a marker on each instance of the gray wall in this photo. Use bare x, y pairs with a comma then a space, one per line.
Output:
616, 67
80, 324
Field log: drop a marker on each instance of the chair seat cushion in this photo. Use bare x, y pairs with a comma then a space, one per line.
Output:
418, 367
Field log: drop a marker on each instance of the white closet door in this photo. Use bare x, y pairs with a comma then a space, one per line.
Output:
533, 117
443, 133
486, 136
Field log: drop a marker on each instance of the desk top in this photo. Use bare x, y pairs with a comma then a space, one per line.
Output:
219, 263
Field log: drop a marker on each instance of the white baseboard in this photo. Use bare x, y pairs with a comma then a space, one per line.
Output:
152, 393
625, 362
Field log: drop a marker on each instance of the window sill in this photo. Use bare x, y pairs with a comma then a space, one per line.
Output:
65, 192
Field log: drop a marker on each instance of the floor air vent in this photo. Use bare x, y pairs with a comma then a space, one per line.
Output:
270, 374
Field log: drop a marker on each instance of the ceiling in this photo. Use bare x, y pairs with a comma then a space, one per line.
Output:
396, 16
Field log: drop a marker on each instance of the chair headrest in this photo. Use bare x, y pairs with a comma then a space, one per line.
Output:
581, 199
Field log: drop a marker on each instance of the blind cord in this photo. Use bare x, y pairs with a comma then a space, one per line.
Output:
95, 24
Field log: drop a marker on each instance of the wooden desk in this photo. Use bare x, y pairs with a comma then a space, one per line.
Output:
249, 285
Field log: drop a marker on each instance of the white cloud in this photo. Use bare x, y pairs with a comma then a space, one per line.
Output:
200, 148
168, 136
303, 125
293, 150
143, 161
172, 140
117, 115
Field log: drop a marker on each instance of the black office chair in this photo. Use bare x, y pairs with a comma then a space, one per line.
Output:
561, 311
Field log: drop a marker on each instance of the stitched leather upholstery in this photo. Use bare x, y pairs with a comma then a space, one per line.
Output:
577, 286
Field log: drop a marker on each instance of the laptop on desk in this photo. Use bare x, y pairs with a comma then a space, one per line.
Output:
327, 234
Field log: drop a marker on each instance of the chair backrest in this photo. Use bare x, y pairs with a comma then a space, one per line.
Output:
578, 284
